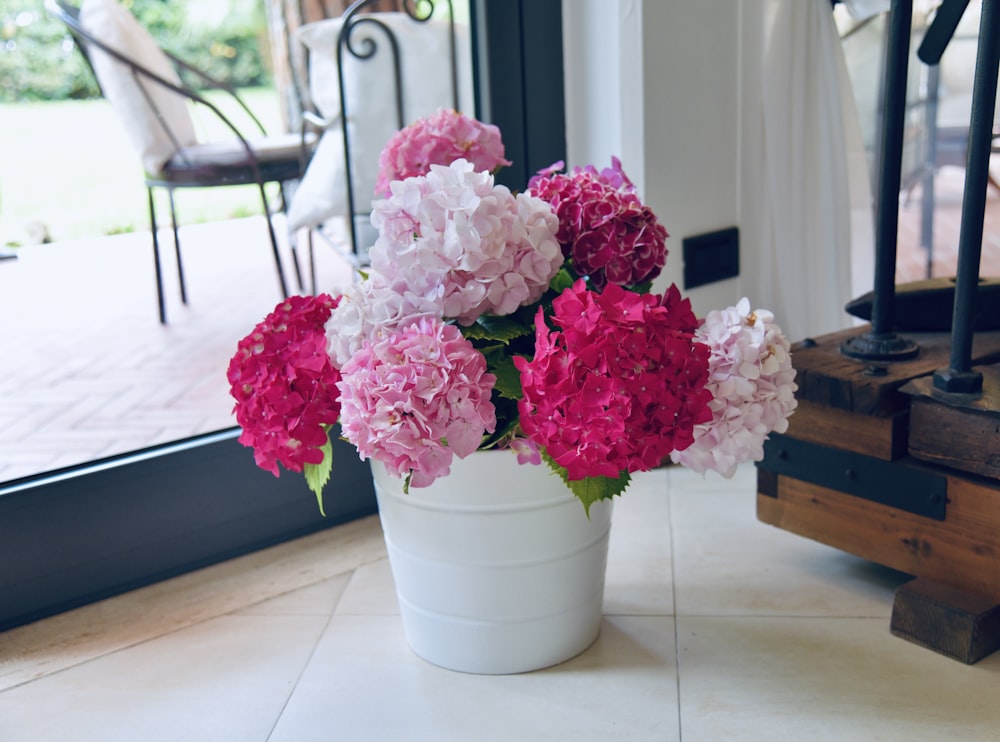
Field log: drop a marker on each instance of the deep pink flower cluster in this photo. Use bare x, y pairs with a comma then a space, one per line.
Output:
415, 397
285, 386
439, 139
620, 386
604, 229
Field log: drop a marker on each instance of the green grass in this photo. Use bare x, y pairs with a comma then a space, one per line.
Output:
67, 165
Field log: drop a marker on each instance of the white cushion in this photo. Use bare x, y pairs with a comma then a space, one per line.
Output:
230, 152
371, 108
112, 24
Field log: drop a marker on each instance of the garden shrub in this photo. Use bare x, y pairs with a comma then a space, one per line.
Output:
225, 38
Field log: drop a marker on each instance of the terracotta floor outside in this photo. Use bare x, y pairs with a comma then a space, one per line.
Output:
87, 372
86, 369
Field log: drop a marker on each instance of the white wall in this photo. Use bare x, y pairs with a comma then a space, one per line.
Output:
676, 88
692, 144
655, 83
604, 93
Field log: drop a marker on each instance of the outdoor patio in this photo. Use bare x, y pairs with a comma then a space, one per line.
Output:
88, 372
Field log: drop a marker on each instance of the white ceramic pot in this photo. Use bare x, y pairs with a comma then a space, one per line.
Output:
497, 567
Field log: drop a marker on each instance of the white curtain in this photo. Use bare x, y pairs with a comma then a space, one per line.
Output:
806, 201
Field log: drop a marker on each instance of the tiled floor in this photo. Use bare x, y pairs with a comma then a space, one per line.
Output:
716, 627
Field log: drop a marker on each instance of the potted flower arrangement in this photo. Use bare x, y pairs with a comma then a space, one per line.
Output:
499, 320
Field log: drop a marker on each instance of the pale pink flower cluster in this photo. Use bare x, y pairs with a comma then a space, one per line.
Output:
482, 249
753, 388
372, 309
414, 398
439, 139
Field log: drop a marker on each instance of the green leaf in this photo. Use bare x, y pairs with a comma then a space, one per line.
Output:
317, 475
590, 489
561, 281
508, 377
504, 329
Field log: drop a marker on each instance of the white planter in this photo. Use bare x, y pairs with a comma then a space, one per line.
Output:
497, 568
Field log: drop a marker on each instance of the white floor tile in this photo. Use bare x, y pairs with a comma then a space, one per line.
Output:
68, 639
371, 591
638, 574
728, 562
776, 637
224, 679
363, 683
749, 678
314, 600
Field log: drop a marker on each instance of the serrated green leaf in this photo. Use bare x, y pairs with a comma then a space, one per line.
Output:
561, 281
590, 489
317, 475
508, 377
503, 329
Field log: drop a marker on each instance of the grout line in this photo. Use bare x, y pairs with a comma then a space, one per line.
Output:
309, 659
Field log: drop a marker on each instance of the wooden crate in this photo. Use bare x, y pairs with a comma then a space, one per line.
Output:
959, 432
867, 466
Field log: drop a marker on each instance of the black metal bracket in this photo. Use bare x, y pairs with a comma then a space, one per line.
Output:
896, 484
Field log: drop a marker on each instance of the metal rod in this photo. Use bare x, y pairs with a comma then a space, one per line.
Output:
890, 167
959, 377
880, 343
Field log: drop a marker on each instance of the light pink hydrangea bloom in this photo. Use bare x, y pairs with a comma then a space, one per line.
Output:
753, 387
374, 308
415, 398
489, 250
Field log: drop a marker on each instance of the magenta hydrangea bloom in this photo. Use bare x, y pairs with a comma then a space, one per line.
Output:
415, 398
753, 388
285, 386
439, 139
619, 386
604, 229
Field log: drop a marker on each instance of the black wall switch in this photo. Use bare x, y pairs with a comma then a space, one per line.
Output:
711, 257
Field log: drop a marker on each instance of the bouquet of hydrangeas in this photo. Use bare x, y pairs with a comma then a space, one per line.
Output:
491, 319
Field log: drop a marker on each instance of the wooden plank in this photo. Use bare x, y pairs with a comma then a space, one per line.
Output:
958, 624
831, 379
882, 437
958, 431
962, 551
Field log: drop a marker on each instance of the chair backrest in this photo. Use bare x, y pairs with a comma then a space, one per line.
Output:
377, 72
135, 76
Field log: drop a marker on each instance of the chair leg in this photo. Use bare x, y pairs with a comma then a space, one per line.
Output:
274, 242
292, 241
156, 257
312, 264
177, 247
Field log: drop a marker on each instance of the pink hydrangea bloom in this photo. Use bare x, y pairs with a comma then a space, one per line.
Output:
620, 386
439, 139
285, 386
374, 308
485, 250
526, 450
753, 386
415, 398
604, 229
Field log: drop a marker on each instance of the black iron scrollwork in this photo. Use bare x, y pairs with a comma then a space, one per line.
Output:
360, 36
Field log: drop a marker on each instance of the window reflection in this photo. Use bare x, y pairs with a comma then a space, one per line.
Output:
87, 370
